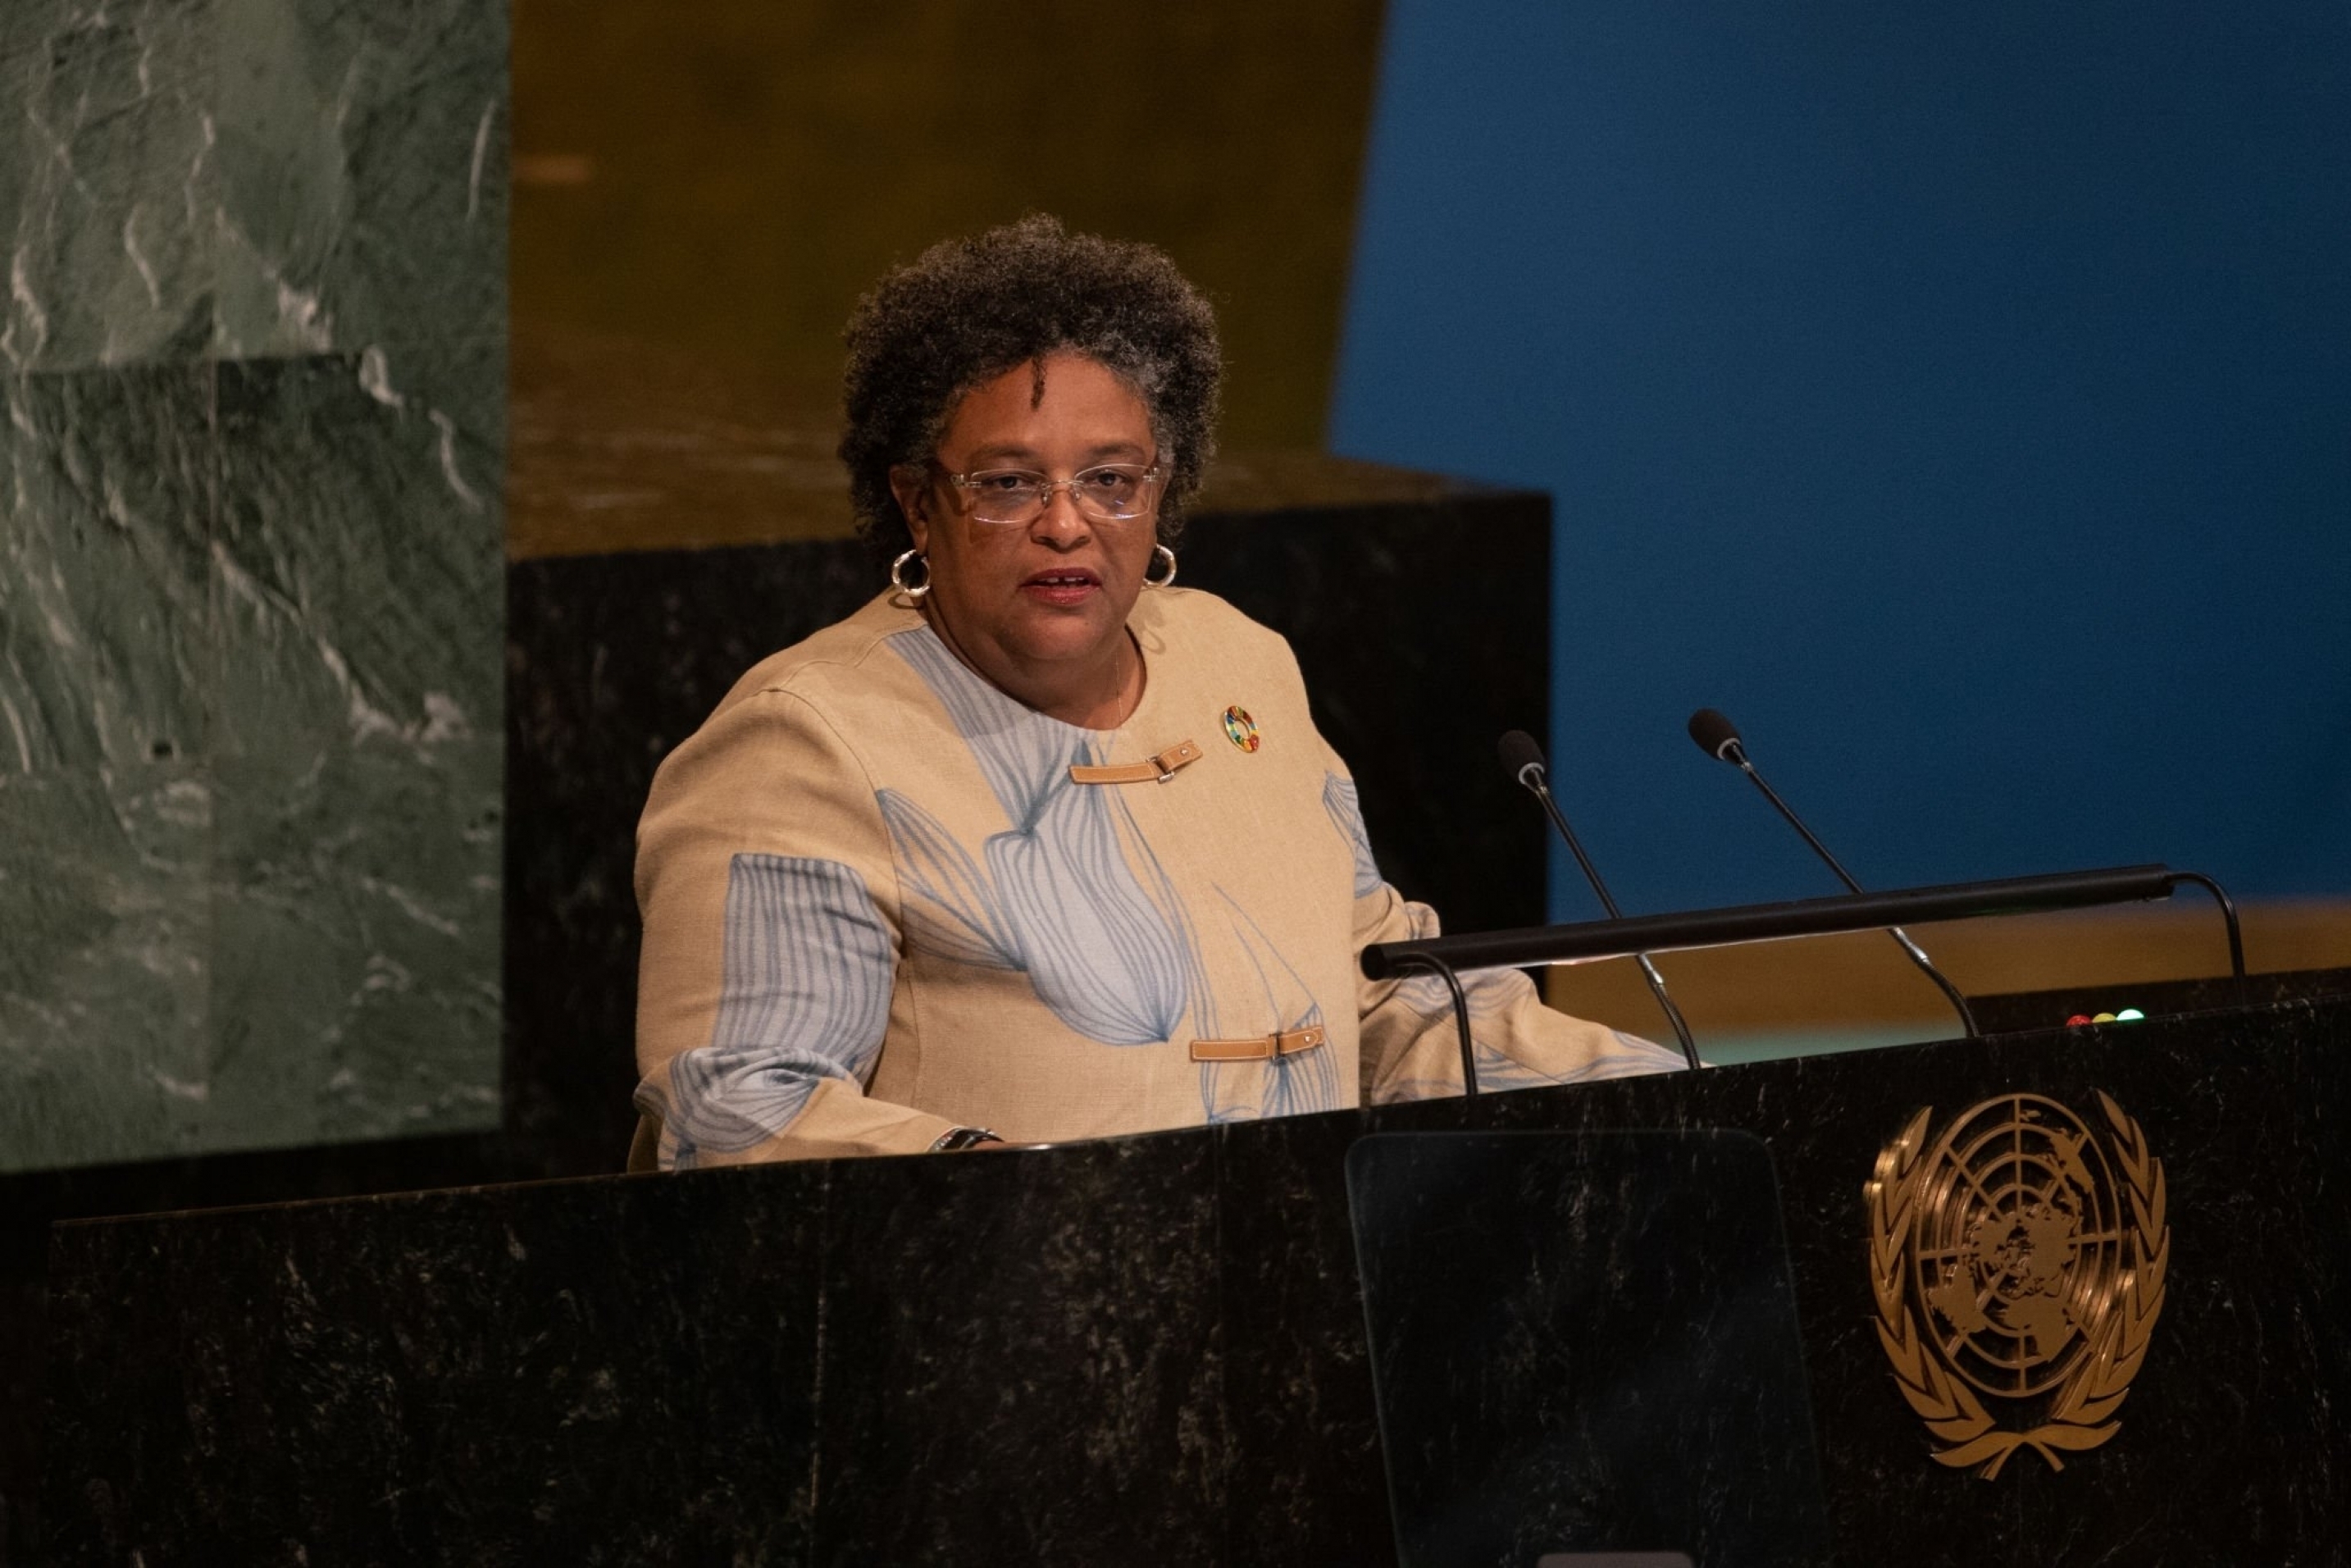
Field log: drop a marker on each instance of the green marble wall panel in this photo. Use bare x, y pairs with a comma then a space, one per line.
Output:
249, 177
359, 743
252, 354
106, 805
362, 172
107, 203
104, 568
104, 972
355, 493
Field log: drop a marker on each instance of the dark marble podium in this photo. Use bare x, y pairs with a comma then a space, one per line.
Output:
1143, 1350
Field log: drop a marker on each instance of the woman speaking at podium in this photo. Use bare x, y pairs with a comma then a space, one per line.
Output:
1036, 845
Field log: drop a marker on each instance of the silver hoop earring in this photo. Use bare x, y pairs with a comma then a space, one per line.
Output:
1151, 581
898, 574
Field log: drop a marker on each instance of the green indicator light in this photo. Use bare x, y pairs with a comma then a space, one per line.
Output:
2129, 1015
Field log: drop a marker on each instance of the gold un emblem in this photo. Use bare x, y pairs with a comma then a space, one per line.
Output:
2021, 1260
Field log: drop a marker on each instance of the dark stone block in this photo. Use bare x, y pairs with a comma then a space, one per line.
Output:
1151, 1347
940, 1422
601, 1389
2018, 1011
1303, 1467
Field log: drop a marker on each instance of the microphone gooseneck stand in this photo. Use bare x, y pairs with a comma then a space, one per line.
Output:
1523, 761
1717, 738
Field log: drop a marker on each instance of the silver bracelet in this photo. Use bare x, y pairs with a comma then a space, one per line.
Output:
955, 1138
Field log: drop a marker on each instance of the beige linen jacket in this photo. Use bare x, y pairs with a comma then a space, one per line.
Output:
878, 905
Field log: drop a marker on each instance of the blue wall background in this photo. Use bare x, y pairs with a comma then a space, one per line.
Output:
1959, 399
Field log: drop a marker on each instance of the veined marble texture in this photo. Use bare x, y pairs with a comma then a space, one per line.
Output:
248, 177
362, 165
104, 609
251, 357
358, 744
107, 196
251, 754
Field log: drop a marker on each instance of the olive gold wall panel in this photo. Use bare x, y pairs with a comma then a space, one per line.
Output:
252, 356
723, 181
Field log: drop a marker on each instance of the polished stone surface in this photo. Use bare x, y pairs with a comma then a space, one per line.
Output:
1142, 1349
253, 714
358, 748
108, 194
1566, 1287
2021, 1011
251, 739
246, 178
252, 371
106, 800
361, 162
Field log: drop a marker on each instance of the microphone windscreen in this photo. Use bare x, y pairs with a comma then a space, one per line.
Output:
1519, 752
1715, 735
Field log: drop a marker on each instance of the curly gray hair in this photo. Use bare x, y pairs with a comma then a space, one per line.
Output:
968, 311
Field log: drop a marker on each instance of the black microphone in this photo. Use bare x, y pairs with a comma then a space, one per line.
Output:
1522, 759
1718, 738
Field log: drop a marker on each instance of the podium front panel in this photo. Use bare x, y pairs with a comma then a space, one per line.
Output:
1585, 1342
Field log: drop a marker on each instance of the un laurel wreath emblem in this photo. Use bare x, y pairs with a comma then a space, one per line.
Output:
2021, 1260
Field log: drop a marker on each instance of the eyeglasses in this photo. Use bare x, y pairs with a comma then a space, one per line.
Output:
1113, 493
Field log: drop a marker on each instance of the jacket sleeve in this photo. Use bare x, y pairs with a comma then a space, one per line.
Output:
771, 943
1411, 1046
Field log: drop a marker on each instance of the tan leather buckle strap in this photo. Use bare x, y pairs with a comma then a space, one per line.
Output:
1161, 768
1264, 1048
